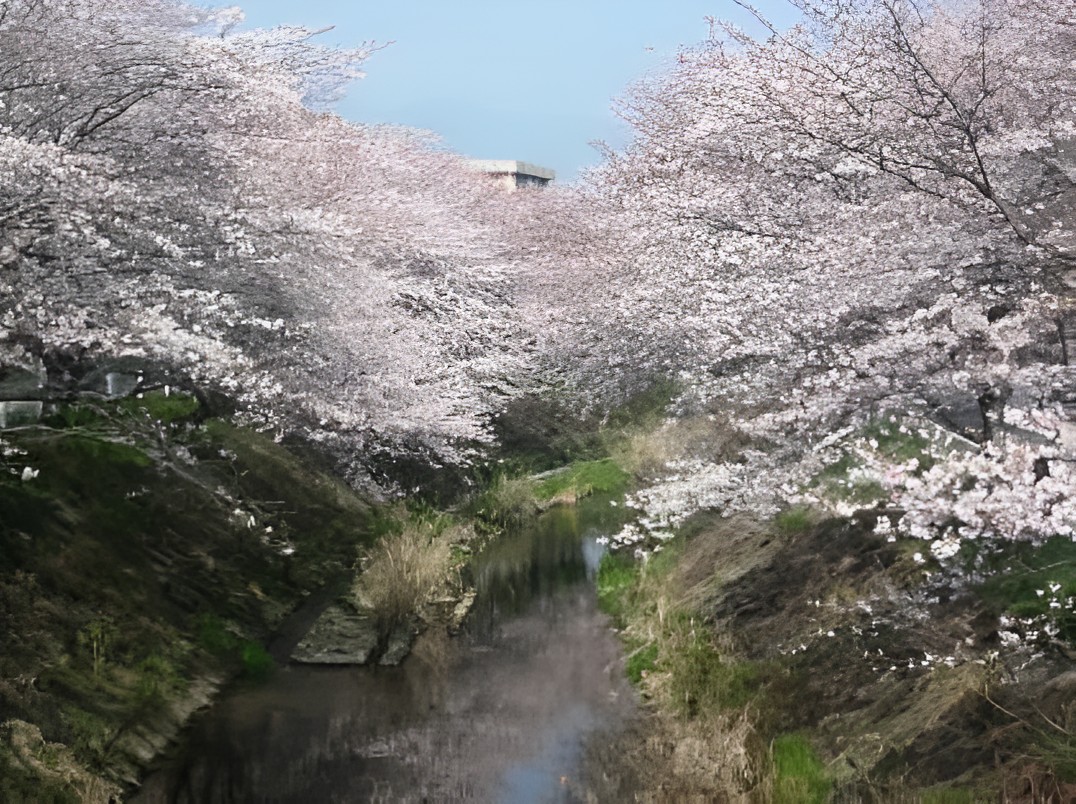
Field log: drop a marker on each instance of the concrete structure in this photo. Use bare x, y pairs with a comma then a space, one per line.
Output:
511, 175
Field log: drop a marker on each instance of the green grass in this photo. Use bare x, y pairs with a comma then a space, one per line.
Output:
642, 660
110, 535
256, 661
583, 478
1023, 570
102, 452
212, 635
215, 638
21, 786
834, 483
91, 734
158, 676
799, 775
68, 417
899, 446
865, 492
794, 521
162, 407
701, 680
617, 576
839, 469
509, 502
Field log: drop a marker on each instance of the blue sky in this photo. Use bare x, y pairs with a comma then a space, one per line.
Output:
516, 79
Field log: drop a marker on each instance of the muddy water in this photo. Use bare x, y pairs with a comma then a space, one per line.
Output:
501, 712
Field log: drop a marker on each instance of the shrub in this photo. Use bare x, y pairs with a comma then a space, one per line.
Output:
700, 681
213, 636
157, 676
162, 407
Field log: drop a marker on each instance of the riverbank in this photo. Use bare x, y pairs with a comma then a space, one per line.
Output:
824, 662
149, 553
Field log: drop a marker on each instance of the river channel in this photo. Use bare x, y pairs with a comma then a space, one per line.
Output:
501, 712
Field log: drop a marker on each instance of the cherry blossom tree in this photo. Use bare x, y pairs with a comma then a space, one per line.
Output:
174, 190
869, 212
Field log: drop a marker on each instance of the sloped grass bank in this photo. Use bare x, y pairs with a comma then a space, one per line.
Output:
807, 660
145, 556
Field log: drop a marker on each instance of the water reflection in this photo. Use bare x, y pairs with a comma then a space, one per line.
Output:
500, 713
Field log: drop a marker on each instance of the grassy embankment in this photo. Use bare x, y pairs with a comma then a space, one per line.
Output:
799, 660
148, 560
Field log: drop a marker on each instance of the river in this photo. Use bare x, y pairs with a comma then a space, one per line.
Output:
501, 712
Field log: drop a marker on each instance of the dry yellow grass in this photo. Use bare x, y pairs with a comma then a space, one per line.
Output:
404, 571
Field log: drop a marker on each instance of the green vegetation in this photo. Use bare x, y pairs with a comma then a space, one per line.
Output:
1034, 581
18, 786
864, 492
898, 446
508, 502
645, 409
839, 469
162, 407
257, 663
537, 434
158, 678
794, 521
213, 636
101, 451
799, 777
126, 572
671, 639
91, 733
79, 416
1057, 752
582, 479
838, 481
617, 577
702, 681
97, 637
641, 662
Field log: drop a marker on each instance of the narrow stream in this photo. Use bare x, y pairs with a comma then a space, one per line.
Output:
502, 712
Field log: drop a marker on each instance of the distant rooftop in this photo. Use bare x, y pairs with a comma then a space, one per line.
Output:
513, 173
